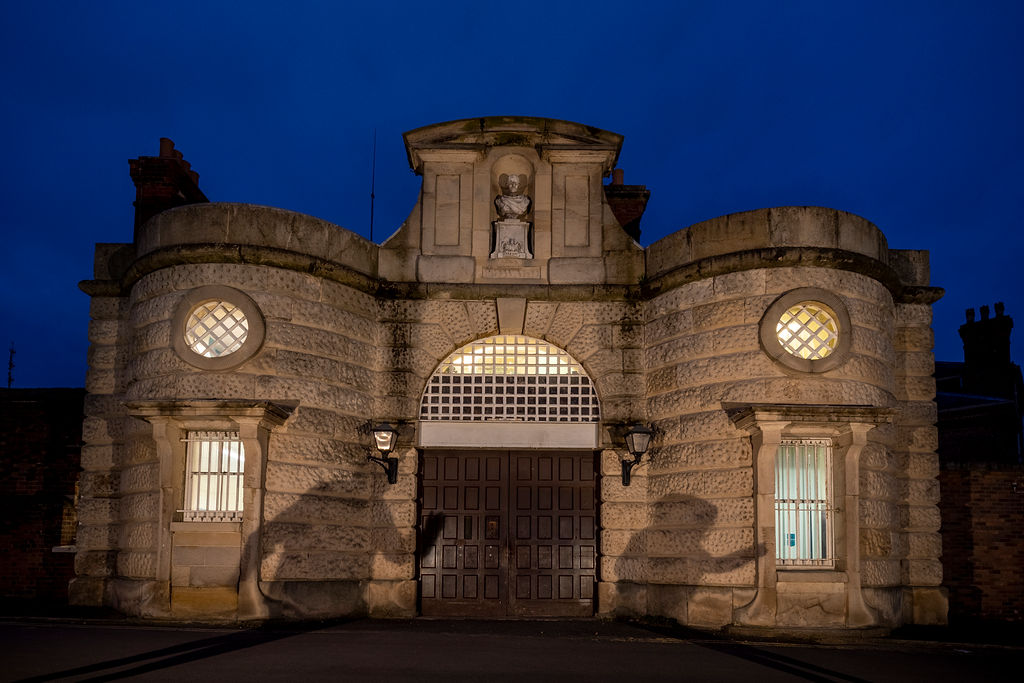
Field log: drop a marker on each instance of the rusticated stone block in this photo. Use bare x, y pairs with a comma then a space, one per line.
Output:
876, 543
624, 568
311, 566
923, 572
95, 562
98, 510
701, 571
921, 518
721, 544
914, 339
924, 545
681, 298
914, 314
616, 542
140, 478
93, 484
878, 514
880, 572
140, 506
282, 536
920, 491
624, 515
321, 481
718, 314
727, 454
139, 536
136, 564
97, 537
703, 512
387, 513
392, 566
738, 482
674, 324
876, 484
284, 507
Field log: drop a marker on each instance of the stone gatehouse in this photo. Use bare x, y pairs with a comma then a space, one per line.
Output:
513, 333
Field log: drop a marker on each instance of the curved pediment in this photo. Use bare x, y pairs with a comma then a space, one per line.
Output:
510, 131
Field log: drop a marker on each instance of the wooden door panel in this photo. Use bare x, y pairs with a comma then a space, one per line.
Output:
507, 533
462, 533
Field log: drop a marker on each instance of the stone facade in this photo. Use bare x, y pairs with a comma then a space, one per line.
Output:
672, 336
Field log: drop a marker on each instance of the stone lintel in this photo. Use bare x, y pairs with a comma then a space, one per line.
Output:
274, 413
747, 416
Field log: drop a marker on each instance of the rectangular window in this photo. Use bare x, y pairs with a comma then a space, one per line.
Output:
214, 469
804, 503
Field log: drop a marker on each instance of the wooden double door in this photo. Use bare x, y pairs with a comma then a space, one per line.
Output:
507, 533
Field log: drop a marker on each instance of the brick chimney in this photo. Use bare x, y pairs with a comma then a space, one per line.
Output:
627, 203
988, 368
163, 182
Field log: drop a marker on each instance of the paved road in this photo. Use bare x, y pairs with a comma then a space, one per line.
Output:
438, 650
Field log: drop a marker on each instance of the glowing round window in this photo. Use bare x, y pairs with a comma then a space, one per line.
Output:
808, 330
216, 328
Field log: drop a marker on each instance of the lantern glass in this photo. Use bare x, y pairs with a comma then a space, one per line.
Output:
638, 438
384, 437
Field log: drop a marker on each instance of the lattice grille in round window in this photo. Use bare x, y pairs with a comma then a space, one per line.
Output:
808, 330
216, 328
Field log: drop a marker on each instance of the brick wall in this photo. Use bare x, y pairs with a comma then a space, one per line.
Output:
983, 548
40, 445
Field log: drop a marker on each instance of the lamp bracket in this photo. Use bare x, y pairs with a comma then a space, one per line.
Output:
389, 465
627, 468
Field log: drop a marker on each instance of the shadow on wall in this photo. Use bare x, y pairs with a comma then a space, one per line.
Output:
678, 565
326, 546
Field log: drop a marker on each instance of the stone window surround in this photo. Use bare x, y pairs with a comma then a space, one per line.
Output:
253, 420
193, 297
847, 427
770, 320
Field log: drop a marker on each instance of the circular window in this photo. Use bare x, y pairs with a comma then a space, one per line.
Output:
807, 329
217, 327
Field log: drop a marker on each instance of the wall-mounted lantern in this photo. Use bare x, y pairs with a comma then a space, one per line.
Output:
638, 438
385, 437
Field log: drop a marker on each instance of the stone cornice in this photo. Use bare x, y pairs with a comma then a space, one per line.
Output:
771, 257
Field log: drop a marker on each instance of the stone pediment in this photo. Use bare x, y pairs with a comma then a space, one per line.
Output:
546, 136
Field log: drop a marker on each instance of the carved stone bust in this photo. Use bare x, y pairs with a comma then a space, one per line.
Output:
512, 203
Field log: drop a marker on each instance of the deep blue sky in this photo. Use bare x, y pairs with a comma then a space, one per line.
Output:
906, 113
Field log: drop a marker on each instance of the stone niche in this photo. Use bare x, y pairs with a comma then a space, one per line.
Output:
510, 200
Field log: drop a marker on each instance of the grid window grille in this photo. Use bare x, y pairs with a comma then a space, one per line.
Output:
510, 378
214, 477
804, 509
808, 330
216, 328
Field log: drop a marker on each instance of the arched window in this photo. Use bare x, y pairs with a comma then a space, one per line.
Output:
509, 378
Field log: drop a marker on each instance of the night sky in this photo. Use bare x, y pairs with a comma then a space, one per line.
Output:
906, 113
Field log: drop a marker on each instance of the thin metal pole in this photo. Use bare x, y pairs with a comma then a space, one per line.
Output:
373, 180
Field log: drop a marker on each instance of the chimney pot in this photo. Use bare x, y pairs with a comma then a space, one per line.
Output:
166, 147
984, 312
1000, 308
618, 176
